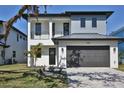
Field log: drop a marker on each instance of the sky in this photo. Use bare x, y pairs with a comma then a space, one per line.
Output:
114, 22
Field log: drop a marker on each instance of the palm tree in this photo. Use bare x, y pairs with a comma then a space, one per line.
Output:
34, 52
29, 8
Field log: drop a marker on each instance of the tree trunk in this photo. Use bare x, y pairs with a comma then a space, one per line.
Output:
4, 52
34, 63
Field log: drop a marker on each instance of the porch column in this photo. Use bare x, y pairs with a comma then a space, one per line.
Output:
29, 30
29, 38
62, 56
50, 29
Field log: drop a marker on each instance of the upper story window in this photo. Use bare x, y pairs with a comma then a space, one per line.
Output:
17, 37
53, 29
20, 37
94, 22
82, 22
38, 29
66, 29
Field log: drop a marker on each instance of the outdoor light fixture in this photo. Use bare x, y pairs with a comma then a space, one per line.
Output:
62, 50
114, 62
114, 49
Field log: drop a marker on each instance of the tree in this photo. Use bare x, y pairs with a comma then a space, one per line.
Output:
34, 9
34, 52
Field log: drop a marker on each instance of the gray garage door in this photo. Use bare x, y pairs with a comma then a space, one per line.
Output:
88, 56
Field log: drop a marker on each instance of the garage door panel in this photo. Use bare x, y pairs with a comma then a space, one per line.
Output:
87, 56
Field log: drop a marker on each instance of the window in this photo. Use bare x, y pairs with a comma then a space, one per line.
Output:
66, 28
38, 29
23, 38
14, 54
53, 29
17, 37
94, 22
20, 36
82, 22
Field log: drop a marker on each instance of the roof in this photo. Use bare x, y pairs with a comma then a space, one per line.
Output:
25, 16
87, 36
3, 44
14, 28
69, 13
118, 31
107, 13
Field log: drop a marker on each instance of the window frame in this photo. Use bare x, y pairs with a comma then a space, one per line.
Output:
82, 22
14, 54
53, 29
37, 31
17, 37
66, 30
94, 22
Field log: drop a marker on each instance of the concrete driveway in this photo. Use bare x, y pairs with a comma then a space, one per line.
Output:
95, 78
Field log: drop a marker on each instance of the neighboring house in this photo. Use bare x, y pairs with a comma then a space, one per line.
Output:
17, 42
73, 39
119, 33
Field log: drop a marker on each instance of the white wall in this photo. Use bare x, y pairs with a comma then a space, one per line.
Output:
112, 44
101, 24
20, 47
44, 59
45, 26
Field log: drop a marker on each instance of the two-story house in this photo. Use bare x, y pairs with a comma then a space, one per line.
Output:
17, 42
73, 39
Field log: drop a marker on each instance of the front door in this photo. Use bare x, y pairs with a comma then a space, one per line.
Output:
66, 29
52, 53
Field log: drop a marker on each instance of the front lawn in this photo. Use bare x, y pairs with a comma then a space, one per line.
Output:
13, 76
121, 67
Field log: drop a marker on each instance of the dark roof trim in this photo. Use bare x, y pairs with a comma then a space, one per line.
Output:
14, 28
69, 13
3, 45
18, 31
122, 39
25, 16
107, 13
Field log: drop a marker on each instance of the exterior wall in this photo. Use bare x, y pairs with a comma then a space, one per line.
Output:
45, 33
101, 24
112, 44
44, 59
19, 47
74, 21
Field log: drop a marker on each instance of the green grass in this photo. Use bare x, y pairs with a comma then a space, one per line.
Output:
121, 67
11, 76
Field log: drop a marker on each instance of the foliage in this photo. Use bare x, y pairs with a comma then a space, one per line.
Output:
20, 76
121, 67
121, 54
34, 51
30, 9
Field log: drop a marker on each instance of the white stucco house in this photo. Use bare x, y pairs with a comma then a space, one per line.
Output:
17, 42
73, 39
